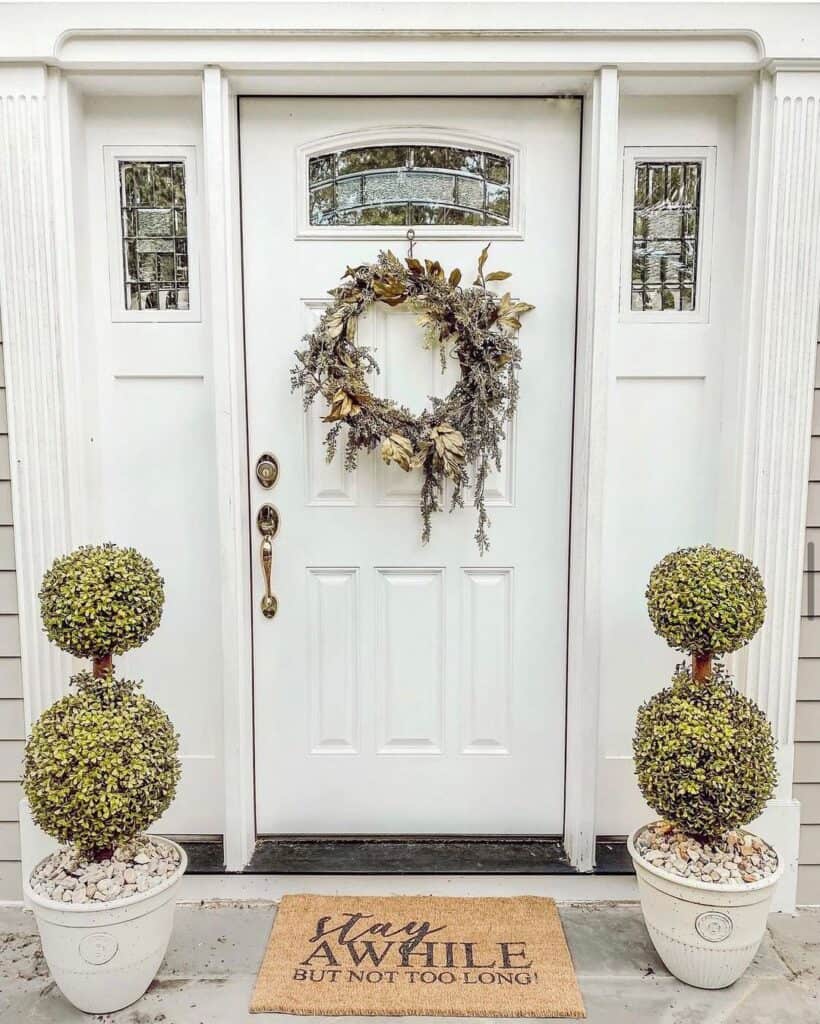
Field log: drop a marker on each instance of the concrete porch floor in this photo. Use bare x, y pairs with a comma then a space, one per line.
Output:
210, 968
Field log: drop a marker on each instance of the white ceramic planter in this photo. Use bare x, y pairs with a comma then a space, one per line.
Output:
104, 956
706, 934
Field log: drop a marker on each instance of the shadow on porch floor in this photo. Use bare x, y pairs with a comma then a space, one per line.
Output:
210, 968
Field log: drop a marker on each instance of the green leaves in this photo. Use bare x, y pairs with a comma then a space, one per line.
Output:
101, 764
101, 600
704, 755
706, 600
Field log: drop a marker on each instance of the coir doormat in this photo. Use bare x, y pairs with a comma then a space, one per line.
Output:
417, 956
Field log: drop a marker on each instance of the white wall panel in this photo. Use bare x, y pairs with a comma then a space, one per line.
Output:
667, 484
152, 447
333, 660
487, 660
410, 661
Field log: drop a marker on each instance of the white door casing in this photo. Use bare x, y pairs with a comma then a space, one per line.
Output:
405, 688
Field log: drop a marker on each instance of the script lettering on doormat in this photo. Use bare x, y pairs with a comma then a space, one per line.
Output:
432, 956
345, 946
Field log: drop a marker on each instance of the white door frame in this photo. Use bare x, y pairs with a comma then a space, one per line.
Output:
497, 49
597, 302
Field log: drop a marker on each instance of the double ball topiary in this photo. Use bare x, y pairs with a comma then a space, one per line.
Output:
706, 600
101, 764
101, 600
704, 755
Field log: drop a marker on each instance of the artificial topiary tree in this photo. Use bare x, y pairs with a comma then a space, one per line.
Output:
704, 753
101, 763
100, 601
706, 601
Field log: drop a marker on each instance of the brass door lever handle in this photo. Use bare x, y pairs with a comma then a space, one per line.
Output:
267, 522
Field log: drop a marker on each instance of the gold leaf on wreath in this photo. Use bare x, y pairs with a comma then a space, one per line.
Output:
499, 275
398, 449
345, 404
335, 323
509, 311
454, 278
389, 290
449, 446
482, 259
434, 270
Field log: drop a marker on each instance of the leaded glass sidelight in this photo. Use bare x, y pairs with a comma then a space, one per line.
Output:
403, 185
666, 224
154, 234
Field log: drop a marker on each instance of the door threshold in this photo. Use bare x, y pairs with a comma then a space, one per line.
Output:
406, 855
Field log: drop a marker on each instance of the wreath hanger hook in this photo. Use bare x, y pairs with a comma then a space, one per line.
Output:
411, 238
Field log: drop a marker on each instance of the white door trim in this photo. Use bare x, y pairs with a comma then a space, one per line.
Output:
221, 163
597, 305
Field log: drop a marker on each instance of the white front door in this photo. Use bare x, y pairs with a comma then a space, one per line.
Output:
402, 687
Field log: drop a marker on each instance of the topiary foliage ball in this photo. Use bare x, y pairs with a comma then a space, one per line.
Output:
704, 755
101, 600
101, 764
706, 600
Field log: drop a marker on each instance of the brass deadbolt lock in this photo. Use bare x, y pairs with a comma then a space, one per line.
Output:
267, 469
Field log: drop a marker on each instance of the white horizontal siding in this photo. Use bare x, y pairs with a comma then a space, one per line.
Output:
808, 884
12, 730
810, 844
11, 761
11, 720
10, 795
11, 679
10, 840
807, 712
809, 796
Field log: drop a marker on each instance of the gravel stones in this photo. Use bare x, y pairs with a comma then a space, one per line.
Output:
737, 858
135, 867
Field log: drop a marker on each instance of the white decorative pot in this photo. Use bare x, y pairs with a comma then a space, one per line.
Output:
104, 956
706, 934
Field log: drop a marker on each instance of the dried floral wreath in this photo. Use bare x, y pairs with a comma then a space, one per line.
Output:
470, 324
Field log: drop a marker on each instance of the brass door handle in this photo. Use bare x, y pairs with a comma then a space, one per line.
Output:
267, 522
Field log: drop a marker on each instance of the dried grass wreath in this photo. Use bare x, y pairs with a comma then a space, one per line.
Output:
470, 324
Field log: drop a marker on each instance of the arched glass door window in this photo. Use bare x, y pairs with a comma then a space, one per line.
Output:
398, 185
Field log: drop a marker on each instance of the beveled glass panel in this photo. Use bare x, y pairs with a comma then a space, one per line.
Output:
374, 215
321, 169
372, 158
470, 193
349, 192
448, 158
154, 234
155, 222
429, 214
665, 227
498, 203
498, 169
412, 184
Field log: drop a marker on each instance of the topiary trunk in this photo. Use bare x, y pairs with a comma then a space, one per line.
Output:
701, 667
102, 665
